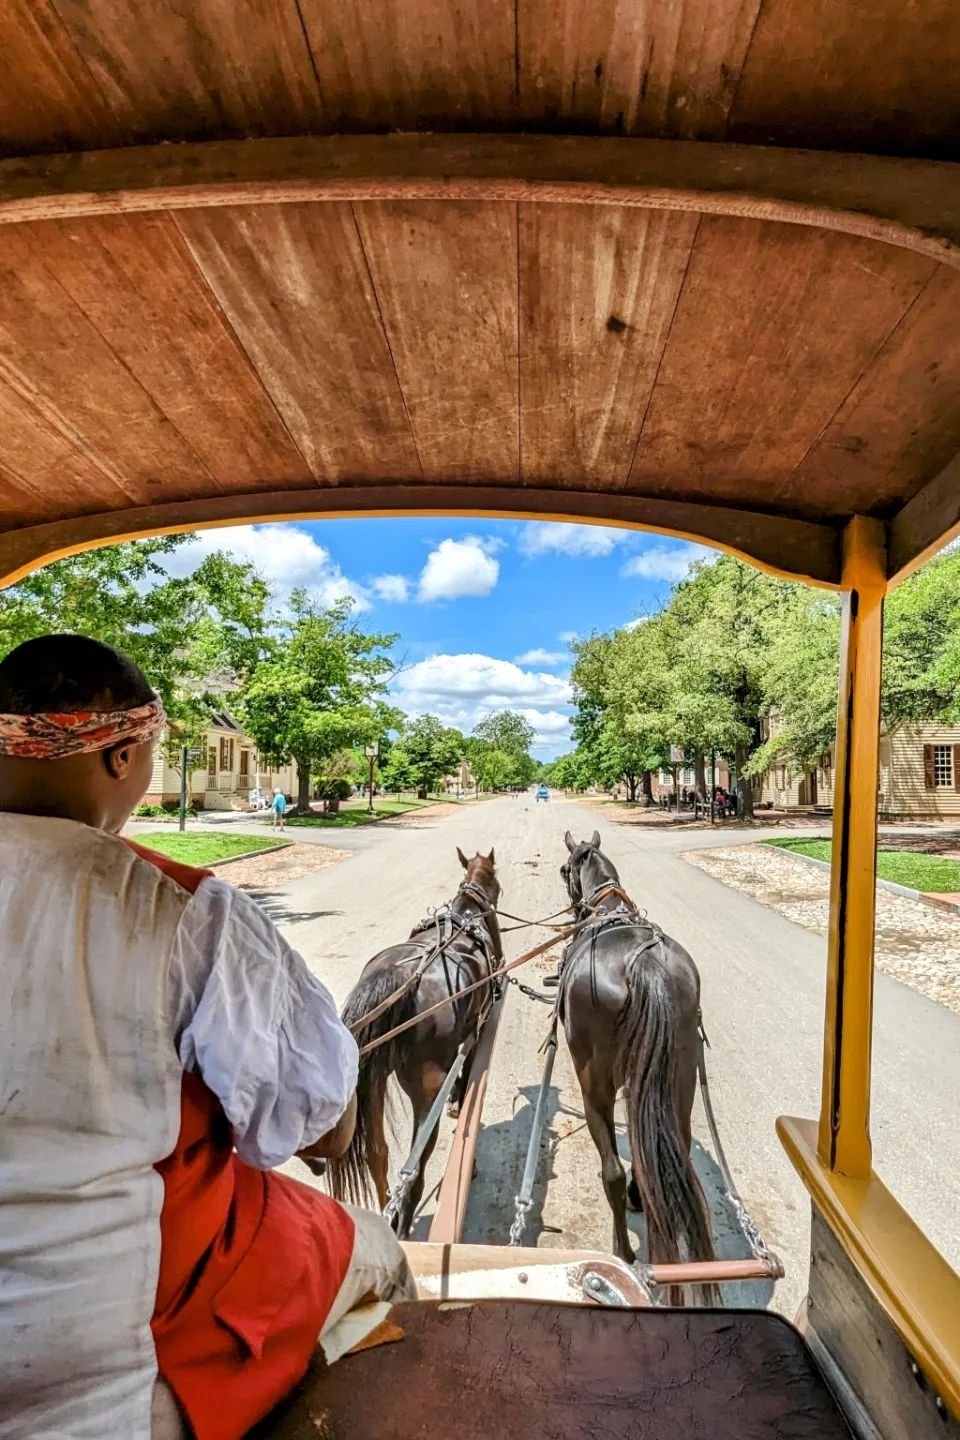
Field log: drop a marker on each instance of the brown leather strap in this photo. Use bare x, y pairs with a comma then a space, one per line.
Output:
467, 989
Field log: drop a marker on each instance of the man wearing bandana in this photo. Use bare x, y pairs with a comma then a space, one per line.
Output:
162, 1049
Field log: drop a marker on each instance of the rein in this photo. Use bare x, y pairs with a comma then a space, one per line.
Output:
467, 989
431, 953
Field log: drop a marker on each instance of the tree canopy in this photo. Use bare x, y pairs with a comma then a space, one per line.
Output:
321, 691
732, 646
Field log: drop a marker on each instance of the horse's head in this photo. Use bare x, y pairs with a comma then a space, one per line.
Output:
586, 869
481, 875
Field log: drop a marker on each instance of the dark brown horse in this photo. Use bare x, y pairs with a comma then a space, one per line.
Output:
454, 948
630, 1004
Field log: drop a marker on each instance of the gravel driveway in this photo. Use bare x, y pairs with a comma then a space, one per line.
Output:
915, 943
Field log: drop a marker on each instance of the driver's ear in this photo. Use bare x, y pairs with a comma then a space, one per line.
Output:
116, 761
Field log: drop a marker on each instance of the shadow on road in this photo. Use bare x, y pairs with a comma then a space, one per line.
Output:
277, 905
501, 1155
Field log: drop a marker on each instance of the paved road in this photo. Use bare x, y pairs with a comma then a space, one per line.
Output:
762, 1001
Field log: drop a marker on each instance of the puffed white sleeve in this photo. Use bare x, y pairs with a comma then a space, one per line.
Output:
262, 1031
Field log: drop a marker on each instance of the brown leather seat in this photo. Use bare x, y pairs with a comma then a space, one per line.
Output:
502, 1370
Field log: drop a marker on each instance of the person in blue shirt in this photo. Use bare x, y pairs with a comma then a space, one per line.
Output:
279, 808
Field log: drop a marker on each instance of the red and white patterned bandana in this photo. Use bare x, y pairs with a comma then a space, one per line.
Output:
78, 732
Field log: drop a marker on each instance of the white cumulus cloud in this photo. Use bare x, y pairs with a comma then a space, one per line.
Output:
458, 568
552, 537
542, 657
665, 562
286, 556
462, 689
395, 588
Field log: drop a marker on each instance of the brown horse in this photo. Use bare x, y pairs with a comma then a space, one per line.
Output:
630, 1004
459, 945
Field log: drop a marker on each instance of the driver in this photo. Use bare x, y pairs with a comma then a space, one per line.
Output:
162, 1048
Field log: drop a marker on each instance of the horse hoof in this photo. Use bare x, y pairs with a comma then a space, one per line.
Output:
634, 1199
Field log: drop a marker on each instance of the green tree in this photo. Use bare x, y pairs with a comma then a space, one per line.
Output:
508, 730
432, 750
320, 692
398, 773
179, 630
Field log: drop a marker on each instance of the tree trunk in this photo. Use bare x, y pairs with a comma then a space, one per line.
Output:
744, 788
303, 788
332, 806
631, 782
421, 792
700, 774
646, 781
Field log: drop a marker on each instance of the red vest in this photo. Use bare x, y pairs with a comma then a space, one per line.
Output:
250, 1264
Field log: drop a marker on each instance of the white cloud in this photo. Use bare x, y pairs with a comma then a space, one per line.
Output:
462, 689
458, 568
665, 562
287, 557
567, 637
543, 657
395, 588
551, 537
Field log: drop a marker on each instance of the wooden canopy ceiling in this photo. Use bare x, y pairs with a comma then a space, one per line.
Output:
635, 274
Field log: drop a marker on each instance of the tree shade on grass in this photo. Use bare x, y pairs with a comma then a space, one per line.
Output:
934, 874
203, 847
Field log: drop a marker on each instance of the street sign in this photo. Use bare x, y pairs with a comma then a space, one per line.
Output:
372, 751
195, 755
676, 754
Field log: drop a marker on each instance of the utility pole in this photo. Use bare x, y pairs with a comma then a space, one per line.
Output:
184, 761
371, 753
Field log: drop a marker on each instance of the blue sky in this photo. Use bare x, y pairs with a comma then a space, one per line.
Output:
484, 608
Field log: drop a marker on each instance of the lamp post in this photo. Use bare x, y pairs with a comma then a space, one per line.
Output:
371, 752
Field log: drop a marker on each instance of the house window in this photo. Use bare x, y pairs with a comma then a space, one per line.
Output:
226, 754
943, 767
212, 762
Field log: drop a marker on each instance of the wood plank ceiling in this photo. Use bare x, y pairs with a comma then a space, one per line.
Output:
156, 358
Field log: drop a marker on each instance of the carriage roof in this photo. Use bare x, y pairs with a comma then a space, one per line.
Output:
689, 267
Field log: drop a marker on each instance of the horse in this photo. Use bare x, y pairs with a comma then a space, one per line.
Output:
452, 949
630, 1005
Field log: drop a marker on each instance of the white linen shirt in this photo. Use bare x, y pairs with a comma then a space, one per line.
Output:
262, 1031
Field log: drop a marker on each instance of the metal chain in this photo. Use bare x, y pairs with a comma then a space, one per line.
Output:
527, 990
521, 1208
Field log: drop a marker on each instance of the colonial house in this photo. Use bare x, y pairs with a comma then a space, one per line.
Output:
460, 781
231, 778
919, 775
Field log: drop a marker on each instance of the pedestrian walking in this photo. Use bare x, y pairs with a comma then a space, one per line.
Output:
279, 808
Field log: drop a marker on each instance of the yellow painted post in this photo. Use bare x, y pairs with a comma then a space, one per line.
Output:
844, 1135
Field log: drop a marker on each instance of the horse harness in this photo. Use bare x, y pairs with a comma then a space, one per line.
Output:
448, 927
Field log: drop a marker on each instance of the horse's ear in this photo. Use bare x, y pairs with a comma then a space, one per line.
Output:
595, 840
569, 841
462, 858
490, 857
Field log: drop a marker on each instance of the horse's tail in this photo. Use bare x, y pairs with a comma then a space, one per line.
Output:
673, 1201
349, 1176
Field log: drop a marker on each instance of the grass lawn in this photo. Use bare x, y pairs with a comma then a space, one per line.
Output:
932, 873
358, 814
200, 847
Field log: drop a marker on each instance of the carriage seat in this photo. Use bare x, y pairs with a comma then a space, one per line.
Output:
521, 1369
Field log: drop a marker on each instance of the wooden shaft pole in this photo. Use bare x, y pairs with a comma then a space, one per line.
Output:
844, 1133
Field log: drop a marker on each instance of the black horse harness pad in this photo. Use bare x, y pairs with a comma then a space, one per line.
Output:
448, 928
624, 917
